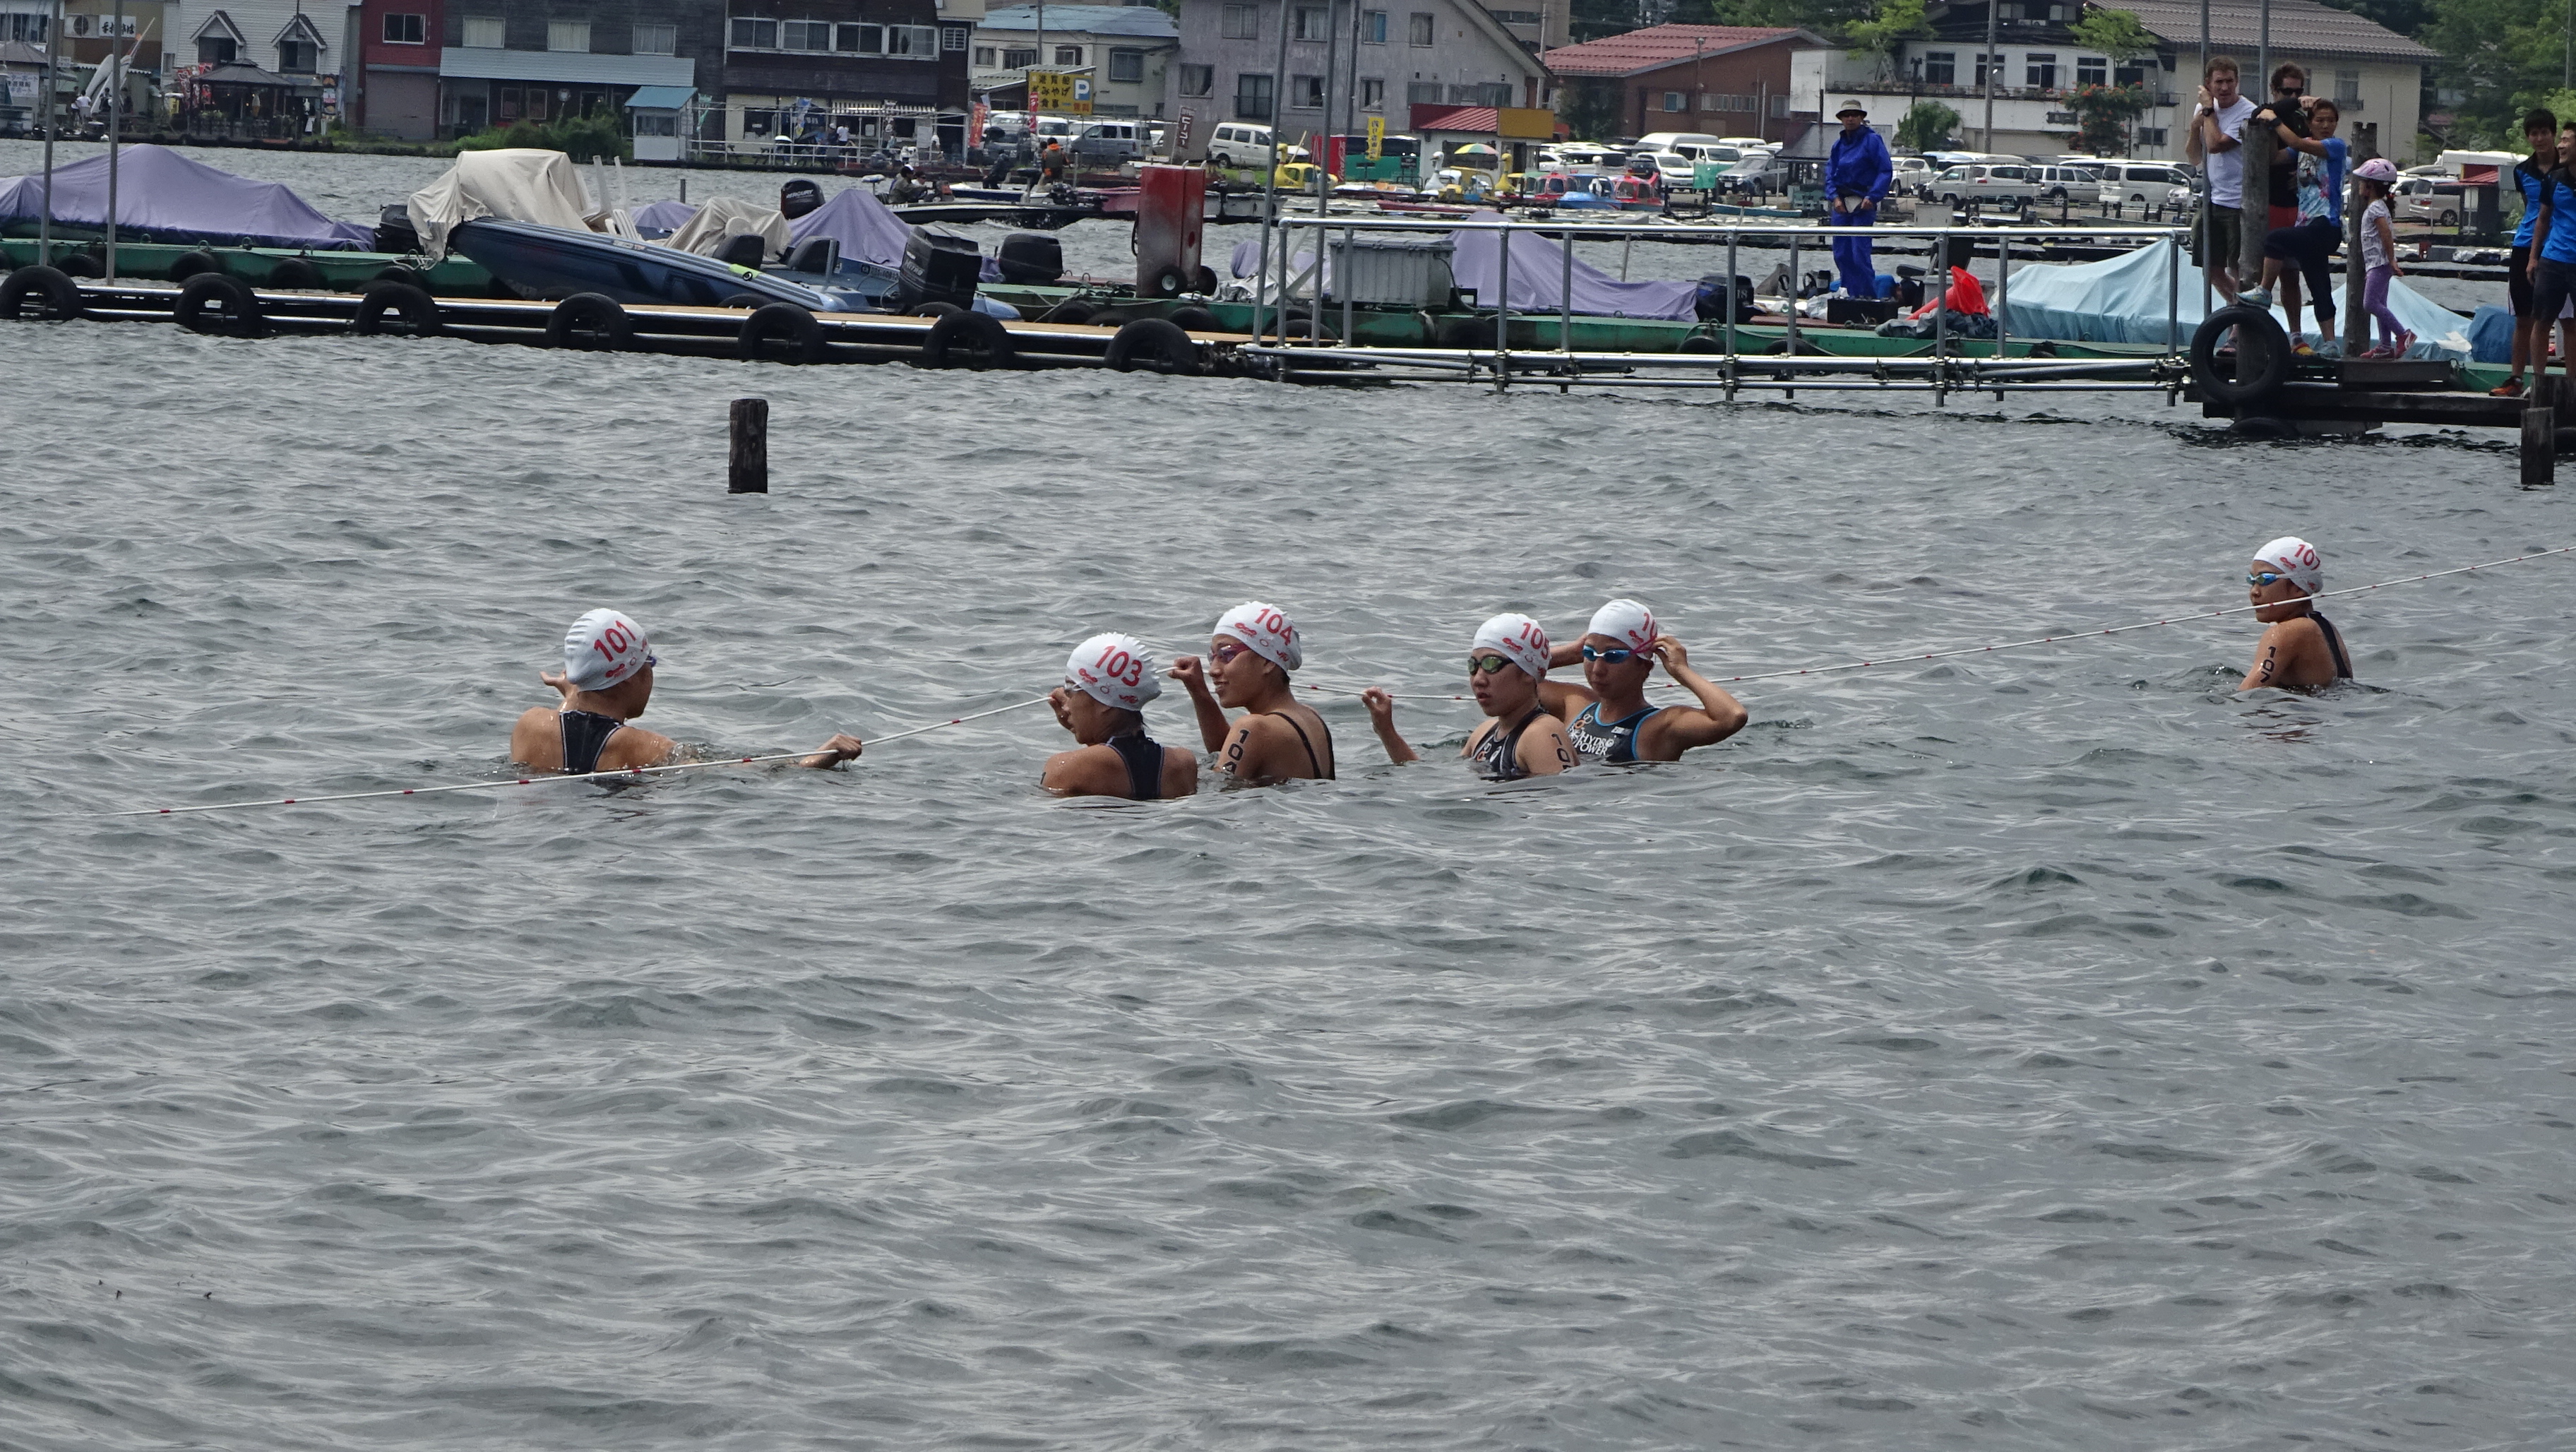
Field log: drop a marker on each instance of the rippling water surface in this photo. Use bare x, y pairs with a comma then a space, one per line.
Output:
2041, 1051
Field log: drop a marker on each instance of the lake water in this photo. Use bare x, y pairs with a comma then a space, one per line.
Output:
2045, 1050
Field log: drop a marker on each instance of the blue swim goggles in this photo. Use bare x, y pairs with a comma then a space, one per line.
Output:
1609, 657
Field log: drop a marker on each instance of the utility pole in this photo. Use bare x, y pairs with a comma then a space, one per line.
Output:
1991, 65
2263, 56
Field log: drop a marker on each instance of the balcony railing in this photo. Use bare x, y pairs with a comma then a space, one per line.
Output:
1951, 91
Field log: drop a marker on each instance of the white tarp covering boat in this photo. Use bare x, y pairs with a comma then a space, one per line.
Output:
514, 184
2124, 299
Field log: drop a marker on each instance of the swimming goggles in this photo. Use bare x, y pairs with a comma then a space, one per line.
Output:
1224, 652
1620, 656
1491, 665
2260, 578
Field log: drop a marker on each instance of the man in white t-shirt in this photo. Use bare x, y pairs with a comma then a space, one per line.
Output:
2217, 137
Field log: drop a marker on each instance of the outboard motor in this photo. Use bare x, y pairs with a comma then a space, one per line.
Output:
798, 197
938, 267
394, 231
1032, 257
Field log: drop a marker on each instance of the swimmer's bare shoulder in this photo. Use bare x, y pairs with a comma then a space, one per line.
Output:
1545, 749
2292, 655
536, 740
1099, 771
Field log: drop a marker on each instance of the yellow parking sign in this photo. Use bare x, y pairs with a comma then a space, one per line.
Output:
1376, 137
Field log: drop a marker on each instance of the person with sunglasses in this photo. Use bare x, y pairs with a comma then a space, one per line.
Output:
1521, 737
1250, 659
606, 682
1615, 725
1107, 681
2300, 649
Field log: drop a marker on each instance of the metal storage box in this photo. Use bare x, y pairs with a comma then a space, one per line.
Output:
1384, 272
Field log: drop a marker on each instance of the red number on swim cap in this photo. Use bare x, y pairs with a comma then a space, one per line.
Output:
603, 649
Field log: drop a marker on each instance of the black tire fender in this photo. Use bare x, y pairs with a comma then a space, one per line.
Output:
1204, 282
57, 296
2268, 358
968, 340
1071, 310
400, 273
783, 331
1157, 345
294, 274
188, 264
417, 309
1195, 319
590, 320
211, 302
935, 310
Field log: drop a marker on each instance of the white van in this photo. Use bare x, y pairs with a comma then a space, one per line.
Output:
1674, 141
1239, 143
2138, 183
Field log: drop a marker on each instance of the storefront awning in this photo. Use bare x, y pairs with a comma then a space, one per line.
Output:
660, 98
566, 67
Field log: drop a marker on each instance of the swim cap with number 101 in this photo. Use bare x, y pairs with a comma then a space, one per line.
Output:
604, 648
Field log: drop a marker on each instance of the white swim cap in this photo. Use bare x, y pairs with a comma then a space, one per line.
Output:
1521, 640
604, 648
1627, 622
1266, 629
1116, 670
2297, 559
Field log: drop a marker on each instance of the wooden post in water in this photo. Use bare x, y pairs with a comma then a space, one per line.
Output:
2261, 143
747, 467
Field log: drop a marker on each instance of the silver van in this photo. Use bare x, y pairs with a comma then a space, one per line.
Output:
2137, 183
1109, 143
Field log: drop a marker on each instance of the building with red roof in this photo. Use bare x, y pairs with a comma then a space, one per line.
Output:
1725, 80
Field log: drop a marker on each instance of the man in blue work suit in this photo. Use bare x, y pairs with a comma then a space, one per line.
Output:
1857, 174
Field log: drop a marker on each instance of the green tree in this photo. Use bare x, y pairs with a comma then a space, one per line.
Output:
2116, 33
1927, 127
1878, 37
2501, 56
2102, 116
1591, 108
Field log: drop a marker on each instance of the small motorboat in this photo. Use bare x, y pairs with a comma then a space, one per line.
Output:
539, 261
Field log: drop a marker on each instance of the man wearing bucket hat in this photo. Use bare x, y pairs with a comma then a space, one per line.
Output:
1250, 658
1107, 681
1614, 724
606, 682
1505, 668
1857, 174
2300, 648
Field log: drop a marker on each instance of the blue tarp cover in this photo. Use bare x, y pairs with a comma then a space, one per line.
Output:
1538, 277
169, 196
2123, 300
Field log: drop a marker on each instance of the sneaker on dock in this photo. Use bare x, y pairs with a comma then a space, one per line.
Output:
2510, 388
2260, 297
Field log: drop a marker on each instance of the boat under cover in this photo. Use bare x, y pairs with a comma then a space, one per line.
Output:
165, 197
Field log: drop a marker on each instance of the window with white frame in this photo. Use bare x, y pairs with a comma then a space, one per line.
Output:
2092, 70
2039, 68
988, 56
1019, 58
921, 42
805, 35
1126, 65
572, 35
1941, 67
655, 40
1239, 22
753, 34
1068, 55
1306, 93
486, 32
859, 39
406, 30
1676, 101
1372, 93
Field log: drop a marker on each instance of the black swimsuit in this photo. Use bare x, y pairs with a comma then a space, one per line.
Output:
1144, 765
585, 735
1499, 758
1311, 759
1615, 743
2334, 643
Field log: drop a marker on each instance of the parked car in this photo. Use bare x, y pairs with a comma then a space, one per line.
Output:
1671, 169
1674, 140
2058, 183
2137, 183
1108, 143
1758, 175
1913, 176
1240, 143
1986, 184
2433, 199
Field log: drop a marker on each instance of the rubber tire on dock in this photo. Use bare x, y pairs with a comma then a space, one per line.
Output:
783, 332
81, 264
590, 320
400, 273
1156, 345
1194, 319
57, 296
1071, 310
1300, 324
213, 303
417, 309
969, 340
1702, 343
1204, 283
2270, 363
294, 274
933, 310
188, 264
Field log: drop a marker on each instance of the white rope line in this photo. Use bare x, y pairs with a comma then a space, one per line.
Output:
624, 774
2086, 634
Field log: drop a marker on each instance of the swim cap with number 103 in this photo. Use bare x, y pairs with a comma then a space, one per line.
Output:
1115, 670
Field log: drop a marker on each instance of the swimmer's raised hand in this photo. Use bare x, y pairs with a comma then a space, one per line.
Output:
839, 749
559, 681
1381, 709
1671, 652
1055, 698
1191, 673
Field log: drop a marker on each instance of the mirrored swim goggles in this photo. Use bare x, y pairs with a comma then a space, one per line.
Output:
1488, 664
1620, 656
2261, 578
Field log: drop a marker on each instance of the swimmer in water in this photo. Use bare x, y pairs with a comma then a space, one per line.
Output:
1505, 668
1107, 681
1249, 660
2301, 650
1615, 725
606, 680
